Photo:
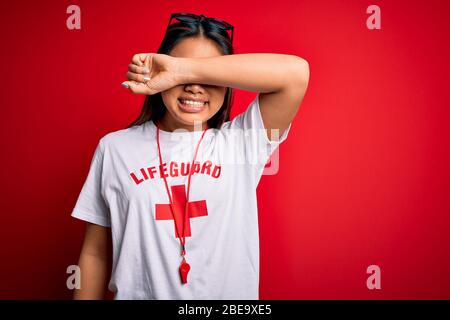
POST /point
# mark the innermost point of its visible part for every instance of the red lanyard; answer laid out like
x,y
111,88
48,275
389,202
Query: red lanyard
x,y
184,266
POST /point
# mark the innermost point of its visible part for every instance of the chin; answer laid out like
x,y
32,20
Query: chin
x,y
188,117
191,119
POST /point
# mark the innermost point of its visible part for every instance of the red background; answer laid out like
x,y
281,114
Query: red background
x,y
364,176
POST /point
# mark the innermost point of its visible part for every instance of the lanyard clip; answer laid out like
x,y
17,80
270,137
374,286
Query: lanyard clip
x,y
183,250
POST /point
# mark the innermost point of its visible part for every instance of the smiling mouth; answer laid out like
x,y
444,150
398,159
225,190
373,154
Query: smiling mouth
x,y
192,106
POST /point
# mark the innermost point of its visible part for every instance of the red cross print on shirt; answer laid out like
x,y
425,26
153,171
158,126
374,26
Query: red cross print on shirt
x,y
195,209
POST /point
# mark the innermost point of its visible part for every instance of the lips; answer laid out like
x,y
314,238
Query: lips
x,y
192,105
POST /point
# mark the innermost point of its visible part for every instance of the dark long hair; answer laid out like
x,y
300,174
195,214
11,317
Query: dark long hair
x,y
154,108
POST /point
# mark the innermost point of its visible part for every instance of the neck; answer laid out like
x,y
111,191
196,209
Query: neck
x,y
166,124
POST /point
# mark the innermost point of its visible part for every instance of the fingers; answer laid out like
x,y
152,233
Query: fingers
x,y
142,60
139,73
135,87
138,59
139,70
137,77
148,63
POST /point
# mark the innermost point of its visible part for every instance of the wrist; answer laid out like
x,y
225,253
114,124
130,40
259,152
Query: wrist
x,y
185,70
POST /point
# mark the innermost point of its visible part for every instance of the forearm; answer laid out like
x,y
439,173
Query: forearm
x,y
94,274
256,72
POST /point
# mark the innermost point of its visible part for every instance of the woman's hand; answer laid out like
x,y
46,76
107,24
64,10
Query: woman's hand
x,y
150,73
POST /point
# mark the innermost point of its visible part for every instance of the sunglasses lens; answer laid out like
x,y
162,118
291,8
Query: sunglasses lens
x,y
182,18
223,24
188,17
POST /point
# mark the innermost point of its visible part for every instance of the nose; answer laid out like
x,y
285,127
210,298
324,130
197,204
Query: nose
x,y
194,88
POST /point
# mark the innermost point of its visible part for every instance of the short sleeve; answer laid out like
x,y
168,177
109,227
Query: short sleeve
x,y
249,132
91,205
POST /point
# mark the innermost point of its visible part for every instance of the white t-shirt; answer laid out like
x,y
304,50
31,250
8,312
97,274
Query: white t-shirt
x,y
125,190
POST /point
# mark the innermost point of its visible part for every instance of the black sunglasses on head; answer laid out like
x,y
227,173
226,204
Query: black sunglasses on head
x,y
190,17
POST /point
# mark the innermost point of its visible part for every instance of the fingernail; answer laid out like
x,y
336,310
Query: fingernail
x,y
147,78
125,85
145,70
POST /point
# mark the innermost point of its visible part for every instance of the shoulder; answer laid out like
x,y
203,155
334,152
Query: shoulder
x,y
245,118
122,137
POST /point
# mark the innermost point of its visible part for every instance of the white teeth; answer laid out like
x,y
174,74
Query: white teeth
x,y
193,103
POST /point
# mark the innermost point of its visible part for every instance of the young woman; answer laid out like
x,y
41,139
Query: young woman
x,y
174,193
